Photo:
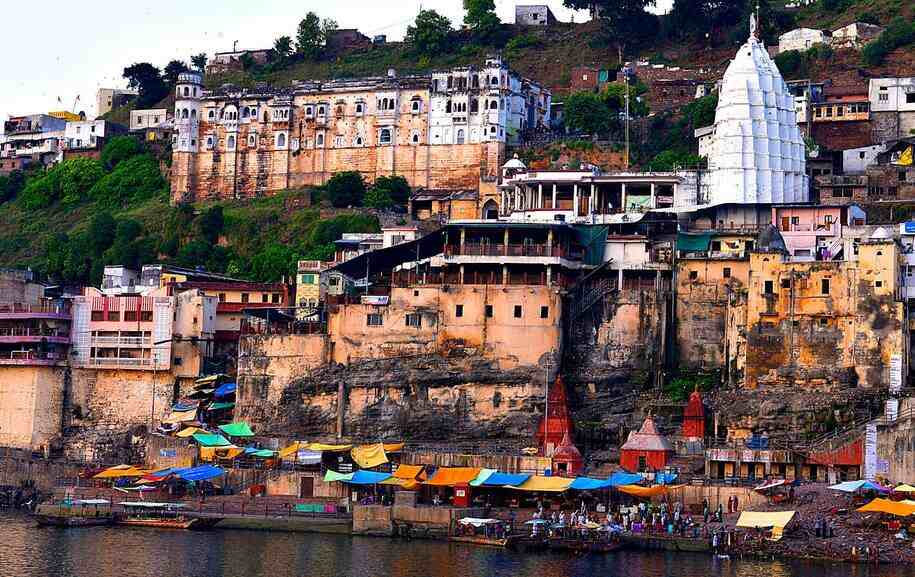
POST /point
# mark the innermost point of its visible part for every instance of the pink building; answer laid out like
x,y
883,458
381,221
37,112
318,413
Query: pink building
x,y
814,232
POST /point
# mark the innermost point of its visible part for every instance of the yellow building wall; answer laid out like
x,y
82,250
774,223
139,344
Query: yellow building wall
x,y
30,406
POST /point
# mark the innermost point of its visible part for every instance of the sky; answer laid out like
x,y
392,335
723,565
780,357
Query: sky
x,y
60,59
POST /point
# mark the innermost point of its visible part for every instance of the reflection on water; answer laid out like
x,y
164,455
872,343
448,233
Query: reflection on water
x,y
30,551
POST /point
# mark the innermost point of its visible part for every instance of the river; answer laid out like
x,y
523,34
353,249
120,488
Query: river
x,y
30,551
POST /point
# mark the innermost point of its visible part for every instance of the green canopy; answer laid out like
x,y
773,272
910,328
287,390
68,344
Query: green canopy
x,y
211,440
239,429
693,242
331,476
265,453
221,405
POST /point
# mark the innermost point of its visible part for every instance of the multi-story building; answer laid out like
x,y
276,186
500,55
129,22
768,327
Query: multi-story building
x,y
801,39
108,99
308,293
85,135
153,118
237,143
38,137
892,104
814,232
854,35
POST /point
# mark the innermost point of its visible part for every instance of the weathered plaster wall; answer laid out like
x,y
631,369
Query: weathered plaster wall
x,y
31,406
122,398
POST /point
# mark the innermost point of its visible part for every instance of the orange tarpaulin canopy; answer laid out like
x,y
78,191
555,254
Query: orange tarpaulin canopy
x,y
545,484
647,492
451,476
896,508
119,471
406,476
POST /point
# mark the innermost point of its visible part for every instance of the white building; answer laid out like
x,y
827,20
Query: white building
x,y
757,154
892,103
37,136
534,15
706,137
854,35
146,119
856,160
800,39
188,102
489,104
84,134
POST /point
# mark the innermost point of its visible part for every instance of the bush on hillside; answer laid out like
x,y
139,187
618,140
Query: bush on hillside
x,y
11,185
396,187
118,149
70,181
900,32
345,189
132,181
378,198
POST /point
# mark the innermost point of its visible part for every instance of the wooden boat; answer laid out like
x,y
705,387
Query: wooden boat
x,y
584,545
479,540
160,516
85,513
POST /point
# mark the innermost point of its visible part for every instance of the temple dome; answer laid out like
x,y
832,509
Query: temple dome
x,y
757,154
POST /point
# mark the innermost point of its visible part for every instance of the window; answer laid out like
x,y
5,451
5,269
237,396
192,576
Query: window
x,y
145,316
494,105
98,315
244,297
209,142
786,283
252,141
113,316
322,110
130,316
884,96
275,298
222,297
384,136
643,463
769,287
693,275
544,312
414,138
265,298
460,137
518,311
374,320
458,310
230,143
726,273
910,98
488,311
319,140
824,286
416,106
359,108
307,279
901,175
414,320
824,321
281,140
359,141
212,115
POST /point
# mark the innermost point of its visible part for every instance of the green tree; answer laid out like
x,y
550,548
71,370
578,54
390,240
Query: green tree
x,y
172,70
199,61
615,99
396,187
273,263
283,47
429,34
669,160
11,185
309,37
480,17
77,177
378,198
118,149
101,232
210,223
147,79
132,181
624,23
130,247
900,32
587,112
345,189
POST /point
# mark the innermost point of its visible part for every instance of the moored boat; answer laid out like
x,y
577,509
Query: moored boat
x,y
79,513
160,516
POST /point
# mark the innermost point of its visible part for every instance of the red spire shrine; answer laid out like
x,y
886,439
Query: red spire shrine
x,y
557,424
567,461
694,417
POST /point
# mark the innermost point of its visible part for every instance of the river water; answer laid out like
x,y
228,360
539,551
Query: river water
x,y
30,551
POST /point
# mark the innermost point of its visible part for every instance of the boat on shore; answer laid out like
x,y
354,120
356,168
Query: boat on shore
x,y
160,516
80,513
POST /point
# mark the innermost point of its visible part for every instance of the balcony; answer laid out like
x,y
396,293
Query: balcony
x,y
121,342
130,363
30,335
810,229
31,358
45,310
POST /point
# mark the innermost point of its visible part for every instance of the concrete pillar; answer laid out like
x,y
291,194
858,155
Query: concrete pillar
x,y
517,203
619,280
591,199
463,235
549,276
575,200
540,195
505,241
549,241
652,196
554,197
461,273
623,198
503,208
504,274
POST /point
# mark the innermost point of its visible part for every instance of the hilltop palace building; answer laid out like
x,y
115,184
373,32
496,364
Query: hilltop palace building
x,y
442,131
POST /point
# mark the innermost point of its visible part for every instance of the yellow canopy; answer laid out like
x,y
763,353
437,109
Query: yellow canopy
x,y
904,489
886,506
326,448
368,456
645,492
177,417
189,432
451,476
764,520
545,484
393,447
211,453
119,471
290,450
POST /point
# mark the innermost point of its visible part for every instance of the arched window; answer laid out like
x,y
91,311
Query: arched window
x,y
245,112
494,81
384,137
359,107
460,136
266,116
416,105
230,142
474,105
209,142
494,105
186,91
212,114
281,140
319,140
193,115
435,85
475,82
322,111
414,138
252,141
359,141
450,82
184,113
448,107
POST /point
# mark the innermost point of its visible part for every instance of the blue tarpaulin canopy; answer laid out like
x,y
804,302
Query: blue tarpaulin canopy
x,y
201,473
588,484
665,478
184,407
367,478
621,478
224,390
855,486
502,479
